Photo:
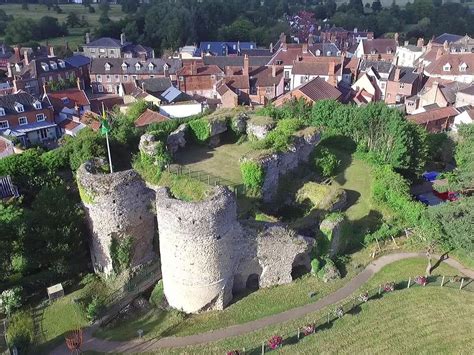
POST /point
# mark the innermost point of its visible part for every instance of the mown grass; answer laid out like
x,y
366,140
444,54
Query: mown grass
x,y
418,317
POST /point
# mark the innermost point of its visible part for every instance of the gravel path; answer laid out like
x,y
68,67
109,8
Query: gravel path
x,y
101,345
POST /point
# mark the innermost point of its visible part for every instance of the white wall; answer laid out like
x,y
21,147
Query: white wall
x,y
178,111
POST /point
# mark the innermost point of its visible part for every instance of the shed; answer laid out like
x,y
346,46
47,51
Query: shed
x,y
55,292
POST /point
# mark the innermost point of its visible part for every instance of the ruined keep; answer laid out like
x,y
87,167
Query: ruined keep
x,y
206,253
118,206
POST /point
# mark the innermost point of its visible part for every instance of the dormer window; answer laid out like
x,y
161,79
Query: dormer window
x,y
2,111
137,66
62,64
151,66
447,67
373,51
251,46
19,107
165,67
107,66
53,65
389,51
463,67
124,66
65,100
37,105
44,66
318,52
17,67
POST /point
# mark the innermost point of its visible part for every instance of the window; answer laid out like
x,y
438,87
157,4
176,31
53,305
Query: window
x,y
40,117
53,65
447,67
99,78
4,124
45,66
65,100
208,46
2,111
463,67
152,76
268,91
125,78
107,66
22,121
181,78
134,77
101,50
112,51
19,107
92,50
402,85
124,66
151,66
318,52
109,78
117,78
37,105
287,74
137,66
62,64
100,88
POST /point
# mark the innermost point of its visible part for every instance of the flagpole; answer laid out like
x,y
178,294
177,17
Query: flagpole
x,y
108,151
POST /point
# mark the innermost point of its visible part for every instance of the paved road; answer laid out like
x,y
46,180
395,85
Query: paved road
x,y
91,343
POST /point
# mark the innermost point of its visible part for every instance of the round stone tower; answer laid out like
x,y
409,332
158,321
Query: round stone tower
x,y
119,209
199,248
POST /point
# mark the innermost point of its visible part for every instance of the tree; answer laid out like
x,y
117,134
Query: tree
x,y
463,176
357,5
49,27
129,6
72,20
10,300
104,6
12,229
376,6
20,30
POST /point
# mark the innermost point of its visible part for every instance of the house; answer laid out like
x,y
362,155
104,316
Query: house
x,y
199,79
68,103
465,97
32,75
330,69
5,53
223,48
7,189
155,86
366,90
107,47
176,104
344,38
6,89
82,64
266,84
234,62
452,66
312,91
108,74
71,126
379,71
383,49
187,52
402,82
148,117
26,118
437,92
466,116
436,120
409,54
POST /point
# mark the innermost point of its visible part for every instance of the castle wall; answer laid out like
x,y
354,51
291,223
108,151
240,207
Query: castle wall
x,y
118,205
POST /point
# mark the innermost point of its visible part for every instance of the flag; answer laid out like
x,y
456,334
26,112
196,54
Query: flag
x,y
104,124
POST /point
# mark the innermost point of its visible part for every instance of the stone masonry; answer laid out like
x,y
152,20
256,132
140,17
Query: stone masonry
x,y
117,205
206,253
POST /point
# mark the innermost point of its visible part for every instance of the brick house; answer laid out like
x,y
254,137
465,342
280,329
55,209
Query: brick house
x,y
31,75
28,119
452,66
377,49
108,74
435,120
344,38
199,79
266,84
402,82
106,47
68,103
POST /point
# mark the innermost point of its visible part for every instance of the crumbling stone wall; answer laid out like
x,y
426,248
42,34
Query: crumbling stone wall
x,y
118,205
207,254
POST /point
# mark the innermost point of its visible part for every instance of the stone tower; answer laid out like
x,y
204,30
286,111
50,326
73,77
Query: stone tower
x,y
118,206
199,249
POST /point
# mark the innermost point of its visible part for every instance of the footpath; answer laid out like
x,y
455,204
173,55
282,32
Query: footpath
x,y
137,345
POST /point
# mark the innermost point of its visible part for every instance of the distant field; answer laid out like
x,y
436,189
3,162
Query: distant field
x,y
388,3
76,36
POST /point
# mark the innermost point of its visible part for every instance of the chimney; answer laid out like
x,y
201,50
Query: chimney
x,y
238,46
420,43
396,77
305,48
282,38
446,45
166,71
51,51
228,71
17,53
122,39
45,88
246,65
271,47
284,46
76,117
396,37
25,56
439,53
88,38
9,68
274,71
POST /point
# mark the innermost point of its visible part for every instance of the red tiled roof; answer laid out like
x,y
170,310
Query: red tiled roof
x,y
74,97
69,124
433,115
379,45
319,89
455,60
148,117
238,81
200,70
91,119
286,57
316,66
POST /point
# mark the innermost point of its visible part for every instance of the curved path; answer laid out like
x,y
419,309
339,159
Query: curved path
x,y
101,345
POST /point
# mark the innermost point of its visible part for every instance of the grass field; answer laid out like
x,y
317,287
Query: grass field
x,y
76,35
396,318
259,304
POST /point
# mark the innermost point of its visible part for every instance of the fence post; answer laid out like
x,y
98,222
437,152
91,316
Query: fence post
x,y
442,281
462,282
263,348
409,281
298,333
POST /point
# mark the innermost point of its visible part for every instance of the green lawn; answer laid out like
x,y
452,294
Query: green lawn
x,y
441,318
222,161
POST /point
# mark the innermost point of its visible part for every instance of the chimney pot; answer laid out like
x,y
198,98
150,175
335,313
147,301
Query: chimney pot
x,y
122,38
246,65
25,55
88,38
274,70
51,51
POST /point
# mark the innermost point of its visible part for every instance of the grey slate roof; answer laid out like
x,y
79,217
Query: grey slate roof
x,y
223,62
98,66
380,66
7,102
35,67
259,52
154,84
407,75
104,42
447,37
324,49
468,91
78,60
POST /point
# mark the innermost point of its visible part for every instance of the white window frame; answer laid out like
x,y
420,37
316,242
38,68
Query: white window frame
x,y
40,117
2,124
23,120
99,78
2,111
100,88
107,67
447,67
19,107
37,105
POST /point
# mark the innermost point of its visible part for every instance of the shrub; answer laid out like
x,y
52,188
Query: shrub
x,y
315,266
20,332
317,196
275,342
200,130
157,295
94,307
10,300
252,174
120,252
282,136
326,162
137,108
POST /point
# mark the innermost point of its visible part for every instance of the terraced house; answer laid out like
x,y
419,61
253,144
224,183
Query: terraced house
x,y
27,119
108,75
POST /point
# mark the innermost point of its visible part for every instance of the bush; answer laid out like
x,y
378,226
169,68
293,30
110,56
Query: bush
x,y
282,136
315,266
120,253
200,130
137,108
157,295
326,162
94,308
10,300
252,174
21,331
